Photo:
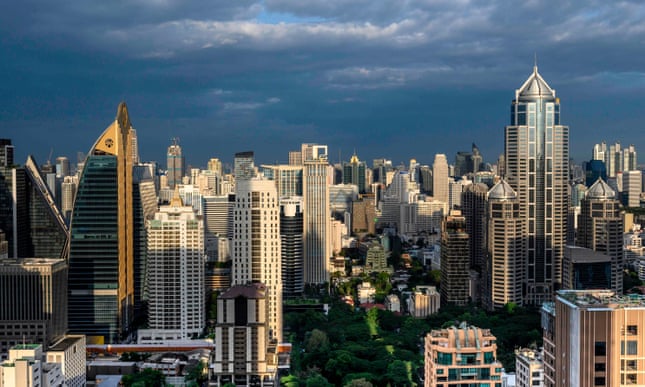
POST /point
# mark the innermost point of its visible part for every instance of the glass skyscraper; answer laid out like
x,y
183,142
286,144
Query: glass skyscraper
x,y
537,165
102,249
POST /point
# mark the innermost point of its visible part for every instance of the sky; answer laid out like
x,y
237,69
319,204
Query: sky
x,y
389,78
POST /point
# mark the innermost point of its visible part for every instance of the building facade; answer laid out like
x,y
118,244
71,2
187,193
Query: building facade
x,y
175,164
291,238
455,261
537,168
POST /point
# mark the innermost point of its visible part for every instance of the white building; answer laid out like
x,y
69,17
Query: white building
x,y
176,270
69,352
529,368
24,368
366,293
424,301
256,244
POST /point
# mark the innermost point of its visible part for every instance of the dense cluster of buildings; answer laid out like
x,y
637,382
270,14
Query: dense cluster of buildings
x,y
124,252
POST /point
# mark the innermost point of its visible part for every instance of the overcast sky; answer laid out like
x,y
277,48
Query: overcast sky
x,y
387,78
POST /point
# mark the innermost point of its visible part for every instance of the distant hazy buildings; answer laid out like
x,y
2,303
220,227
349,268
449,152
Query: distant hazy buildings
x,y
537,160
175,164
616,159
354,173
440,178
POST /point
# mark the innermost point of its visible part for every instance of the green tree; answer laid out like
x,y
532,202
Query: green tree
x,y
145,378
318,380
362,382
399,374
196,373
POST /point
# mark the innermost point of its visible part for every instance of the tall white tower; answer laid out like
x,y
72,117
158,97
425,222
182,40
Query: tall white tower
x,y
440,178
537,168
256,244
317,217
176,270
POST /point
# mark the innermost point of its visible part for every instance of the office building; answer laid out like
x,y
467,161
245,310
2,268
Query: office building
x,y
291,239
354,173
243,353
363,215
440,178
33,300
600,228
537,168
455,262
176,271
593,338
215,165
288,178
102,251
529,368
632,188
69,353
25,368
504,270
376,259
62,166
175,164
244,167
256,245
461,356
316,217
424,301
473,207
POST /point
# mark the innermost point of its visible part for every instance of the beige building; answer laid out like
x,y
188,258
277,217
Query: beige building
x,y
243,354
529,368
458,356
69,353
424,301
25,368
594,338
257,246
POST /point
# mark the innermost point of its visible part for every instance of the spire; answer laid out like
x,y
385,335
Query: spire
x,y
535,87
176,199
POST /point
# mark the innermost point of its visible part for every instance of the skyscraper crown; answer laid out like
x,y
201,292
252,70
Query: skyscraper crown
x,y
601,190
502,191
535,87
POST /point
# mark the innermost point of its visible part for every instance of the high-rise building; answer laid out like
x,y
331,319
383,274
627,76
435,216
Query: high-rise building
x,y
33,301
455,261
616,159
354,173
176,271
288,178
600,228
440,178
504,269
584,268
593,338
62,166
632,188
175,164
68,191
244,355
317,219
461,356
537,168
218,221
529,368
256,244
291,238
101,249
244,167
473,207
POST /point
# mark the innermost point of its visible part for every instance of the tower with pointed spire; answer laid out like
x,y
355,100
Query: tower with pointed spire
x,y
537,157
354,173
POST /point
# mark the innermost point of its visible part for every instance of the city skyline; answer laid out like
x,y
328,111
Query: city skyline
x,y
386,79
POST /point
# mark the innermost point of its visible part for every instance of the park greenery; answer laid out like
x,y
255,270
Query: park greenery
x,y
354,347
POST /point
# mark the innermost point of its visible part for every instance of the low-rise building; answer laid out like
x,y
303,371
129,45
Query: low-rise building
x,y
529,368
424,301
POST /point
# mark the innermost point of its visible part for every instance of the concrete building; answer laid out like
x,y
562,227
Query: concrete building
x,y
317,226
473,207
529,368
176,290
537,168
424,301
291,242
243,352
600,228
366,293
440,178
458,356
354,173
175,164
33,301
593,338
376,259
586,269
504,271
455,261
632,188
70,353
288,178
243,166
257,245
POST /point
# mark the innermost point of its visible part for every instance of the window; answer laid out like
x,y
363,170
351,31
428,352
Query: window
x,y
600,348
600,367
632,329
632,347
599,381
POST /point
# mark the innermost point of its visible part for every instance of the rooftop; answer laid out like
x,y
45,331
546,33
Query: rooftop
x,y
601,298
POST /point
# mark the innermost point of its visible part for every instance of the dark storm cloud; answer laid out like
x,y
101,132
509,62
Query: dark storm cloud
x,y
266,75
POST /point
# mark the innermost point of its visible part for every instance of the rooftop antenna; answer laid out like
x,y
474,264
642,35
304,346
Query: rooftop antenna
x,y
535,60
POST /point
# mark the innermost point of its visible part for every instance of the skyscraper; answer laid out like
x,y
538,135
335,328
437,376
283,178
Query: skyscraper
x,y
291,227
256,244
455,263
354,173
440,176
317,222
175,164
504,269
473,207
537,160
101,247
600,228
244,168
176,271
